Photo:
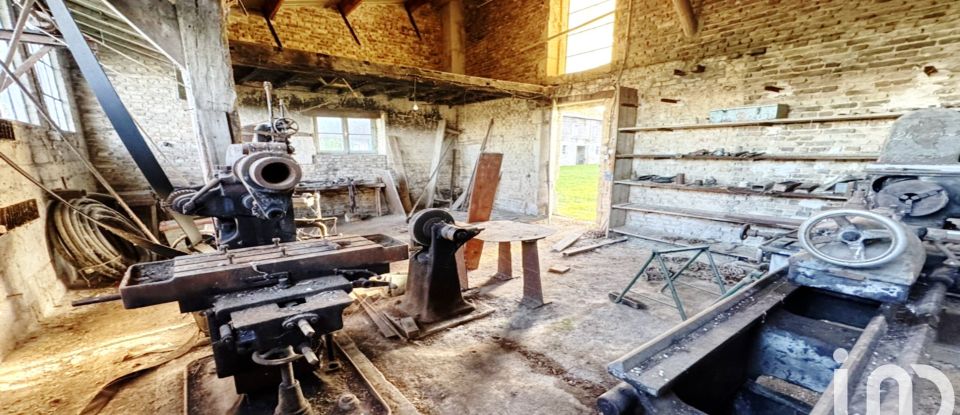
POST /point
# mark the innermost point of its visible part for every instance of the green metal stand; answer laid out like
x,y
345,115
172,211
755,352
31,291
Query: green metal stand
x,y
671,278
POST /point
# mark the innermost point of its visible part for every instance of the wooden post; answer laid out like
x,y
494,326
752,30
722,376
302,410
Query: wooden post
x,y
431,188
453,35
504,261
209,78
481,201
687,19
624,115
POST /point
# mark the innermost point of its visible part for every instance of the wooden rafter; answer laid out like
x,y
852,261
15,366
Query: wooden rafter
x,y
270,8
687,19
346,7
392,80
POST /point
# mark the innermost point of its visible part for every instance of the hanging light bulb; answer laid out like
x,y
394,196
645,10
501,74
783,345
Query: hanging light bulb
x,y
415,106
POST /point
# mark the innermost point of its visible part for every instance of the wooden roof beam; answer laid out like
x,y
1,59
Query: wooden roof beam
x,y
413,5
687,19
346,7
270,8
316,64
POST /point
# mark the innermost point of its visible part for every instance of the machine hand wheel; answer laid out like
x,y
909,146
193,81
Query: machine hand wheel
x,y
853,238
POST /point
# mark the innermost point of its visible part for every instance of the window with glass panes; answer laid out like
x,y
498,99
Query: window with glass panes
x,y
14,105
52,88
589,42
346,134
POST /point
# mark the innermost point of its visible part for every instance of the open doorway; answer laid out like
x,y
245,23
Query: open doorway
x,y
579,138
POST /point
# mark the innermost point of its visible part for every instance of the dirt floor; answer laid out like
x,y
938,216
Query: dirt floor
x,y
546,360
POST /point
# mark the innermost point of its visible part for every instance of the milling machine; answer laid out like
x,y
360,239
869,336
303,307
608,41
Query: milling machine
x,y
870,295
271,302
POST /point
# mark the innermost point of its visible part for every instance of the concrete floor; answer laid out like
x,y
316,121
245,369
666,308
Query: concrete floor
x,y
546,360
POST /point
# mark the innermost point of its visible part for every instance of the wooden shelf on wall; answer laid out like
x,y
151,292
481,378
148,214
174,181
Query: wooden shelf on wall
x,y
765,123
759,220
763,157
731,190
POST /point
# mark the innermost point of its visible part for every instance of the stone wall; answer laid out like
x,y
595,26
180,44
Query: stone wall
x,y
29,284
519,130
384,31
827,58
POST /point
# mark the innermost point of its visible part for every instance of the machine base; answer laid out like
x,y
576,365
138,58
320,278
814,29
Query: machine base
x,y
206,394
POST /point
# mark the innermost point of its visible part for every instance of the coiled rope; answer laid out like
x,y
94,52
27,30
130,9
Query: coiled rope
x,y
98,256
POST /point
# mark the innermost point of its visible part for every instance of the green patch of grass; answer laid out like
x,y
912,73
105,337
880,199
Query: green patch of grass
x,y
577,189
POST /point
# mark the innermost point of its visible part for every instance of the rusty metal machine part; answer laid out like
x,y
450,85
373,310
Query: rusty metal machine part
x,y
913,197
433,287
263,298
854,238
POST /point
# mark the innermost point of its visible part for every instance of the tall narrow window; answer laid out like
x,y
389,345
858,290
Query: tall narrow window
x,y
50,79
589,40
13,104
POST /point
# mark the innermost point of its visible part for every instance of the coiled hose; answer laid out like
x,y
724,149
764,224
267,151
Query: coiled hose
x,y
98,255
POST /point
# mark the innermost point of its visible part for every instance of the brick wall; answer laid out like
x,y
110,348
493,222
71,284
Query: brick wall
x,y
149,91
29,285
502,39
384,31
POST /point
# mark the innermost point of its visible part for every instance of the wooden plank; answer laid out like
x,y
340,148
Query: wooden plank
x,y
466,193
624,114
732,190
771,221
865,157
393,197
438,140
481,201
396,161
559,269
766,123
399,404
566,241
592,247
385,328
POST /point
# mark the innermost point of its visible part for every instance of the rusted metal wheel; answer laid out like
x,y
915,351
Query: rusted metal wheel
x,y
853,238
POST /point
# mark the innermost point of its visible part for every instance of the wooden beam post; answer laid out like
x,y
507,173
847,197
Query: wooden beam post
x,y
454,36
439,139
208,78
687,19
624,114
157,21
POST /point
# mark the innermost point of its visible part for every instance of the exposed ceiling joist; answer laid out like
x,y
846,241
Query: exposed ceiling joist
x,y
413,5
346,7
372,78
270,8
687,19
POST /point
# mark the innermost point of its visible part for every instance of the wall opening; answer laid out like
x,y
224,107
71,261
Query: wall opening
x,y
578,159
